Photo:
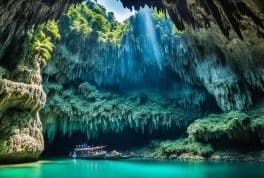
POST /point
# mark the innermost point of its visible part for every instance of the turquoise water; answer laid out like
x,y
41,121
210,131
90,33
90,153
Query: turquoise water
x,y
66,168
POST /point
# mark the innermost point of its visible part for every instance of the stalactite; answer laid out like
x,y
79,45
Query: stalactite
x,y
202,62
73,110
200,13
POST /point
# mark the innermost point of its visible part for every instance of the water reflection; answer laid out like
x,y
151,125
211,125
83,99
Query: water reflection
x,y
133,169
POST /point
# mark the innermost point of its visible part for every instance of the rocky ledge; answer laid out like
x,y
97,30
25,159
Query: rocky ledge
x,y
21,98
235,136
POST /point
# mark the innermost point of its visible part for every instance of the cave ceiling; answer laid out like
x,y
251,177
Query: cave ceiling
x,y
237,15
227,14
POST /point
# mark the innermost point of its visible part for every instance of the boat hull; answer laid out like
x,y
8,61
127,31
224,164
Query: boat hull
x,y
116,157
97,156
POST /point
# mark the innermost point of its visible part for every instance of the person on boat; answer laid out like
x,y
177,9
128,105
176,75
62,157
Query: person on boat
x,y
74,155
115,153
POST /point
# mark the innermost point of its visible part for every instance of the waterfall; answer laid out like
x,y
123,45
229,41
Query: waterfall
x,y
151,37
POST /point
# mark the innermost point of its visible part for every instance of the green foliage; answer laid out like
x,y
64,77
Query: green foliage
x,y
78,22
51,29
158,15
182,146
87,20
42,41
235,125
42,47
215,126
94,111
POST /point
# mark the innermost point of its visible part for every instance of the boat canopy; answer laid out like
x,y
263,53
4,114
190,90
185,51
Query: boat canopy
x,y
90,148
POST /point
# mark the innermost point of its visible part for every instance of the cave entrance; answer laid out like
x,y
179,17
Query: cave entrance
x,y
105,65
127,140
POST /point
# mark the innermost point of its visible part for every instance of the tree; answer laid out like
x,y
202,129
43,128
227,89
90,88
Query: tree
x,y
42,48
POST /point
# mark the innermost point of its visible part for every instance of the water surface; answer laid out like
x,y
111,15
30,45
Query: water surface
x,y
67,168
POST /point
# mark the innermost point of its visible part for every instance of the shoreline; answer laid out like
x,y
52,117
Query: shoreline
x,y
222,156
228,156
191,159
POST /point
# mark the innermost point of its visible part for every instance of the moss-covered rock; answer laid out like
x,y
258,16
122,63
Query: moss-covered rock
x,y
213,127
233,126
21,98
217,136
20,127
94,112
181,148
20,137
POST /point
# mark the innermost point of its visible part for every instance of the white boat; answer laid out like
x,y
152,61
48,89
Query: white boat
x,y
89,153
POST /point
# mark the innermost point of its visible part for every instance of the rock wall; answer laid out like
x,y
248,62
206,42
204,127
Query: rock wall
x,y
231,70
22,96
95,112
21,92
133,67
235,15
18,16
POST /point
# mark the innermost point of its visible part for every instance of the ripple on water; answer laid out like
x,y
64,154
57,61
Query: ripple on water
x,y
67,168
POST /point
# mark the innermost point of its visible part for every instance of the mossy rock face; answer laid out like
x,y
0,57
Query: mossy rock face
x,y
215,127
21,137
234,126
216,137
182,147
21,98
93,111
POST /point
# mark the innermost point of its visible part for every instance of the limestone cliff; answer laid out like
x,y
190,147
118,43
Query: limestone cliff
x,y
231,70
22,97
